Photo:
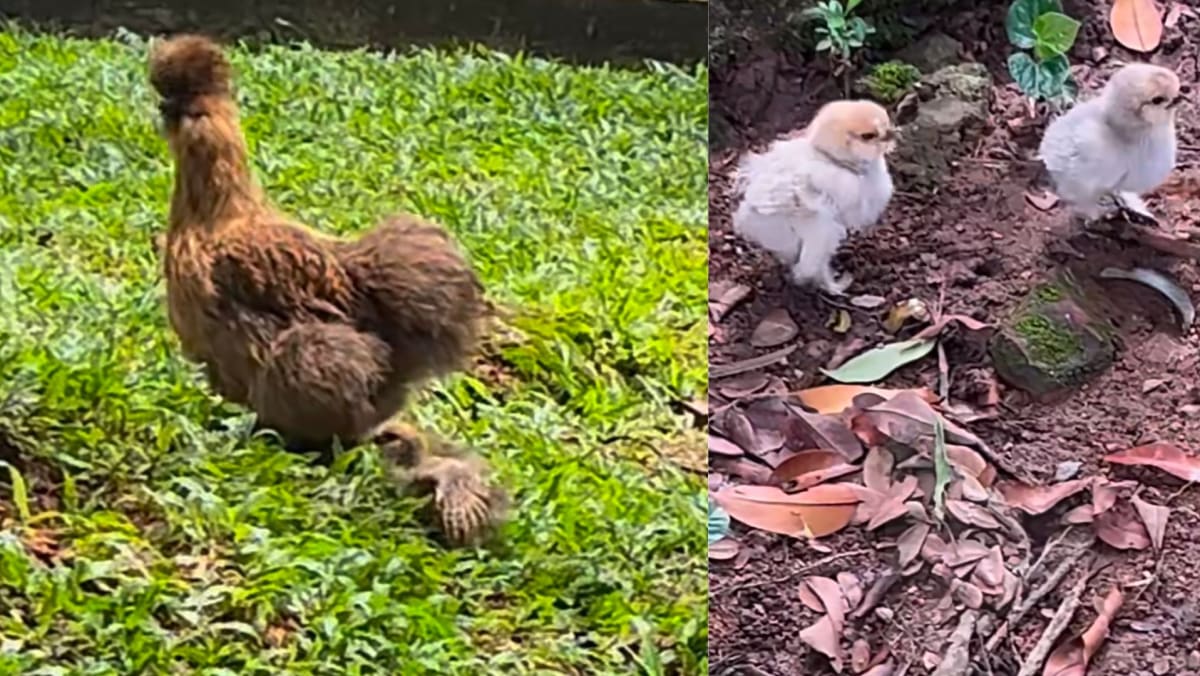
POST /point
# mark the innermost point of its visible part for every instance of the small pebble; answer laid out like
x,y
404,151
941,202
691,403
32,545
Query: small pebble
x,y
1162,667
884,613
1067,470
1193,660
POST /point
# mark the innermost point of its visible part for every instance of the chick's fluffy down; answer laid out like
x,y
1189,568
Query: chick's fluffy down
x,y
796,198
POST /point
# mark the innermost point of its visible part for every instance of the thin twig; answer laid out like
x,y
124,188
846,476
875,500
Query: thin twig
x,y
1050,584
793,575
1058,623
726,370
956,661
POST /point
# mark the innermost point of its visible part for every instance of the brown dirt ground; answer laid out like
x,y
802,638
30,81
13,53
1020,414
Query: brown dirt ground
x,y
980,240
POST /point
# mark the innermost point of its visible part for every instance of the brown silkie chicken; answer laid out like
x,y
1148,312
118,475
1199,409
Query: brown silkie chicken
x,y
322,338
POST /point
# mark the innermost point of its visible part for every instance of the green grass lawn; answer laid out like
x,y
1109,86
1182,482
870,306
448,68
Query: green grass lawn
x,y
147,533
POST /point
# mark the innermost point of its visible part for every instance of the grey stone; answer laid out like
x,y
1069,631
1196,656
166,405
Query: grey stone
x,y
944,125
931,52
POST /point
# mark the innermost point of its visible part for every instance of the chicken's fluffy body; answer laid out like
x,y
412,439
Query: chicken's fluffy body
x,y
802,196
323,338
1120,144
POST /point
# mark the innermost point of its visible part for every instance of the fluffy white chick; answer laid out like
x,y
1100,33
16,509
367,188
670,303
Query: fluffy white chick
x,y
803,195
1118,145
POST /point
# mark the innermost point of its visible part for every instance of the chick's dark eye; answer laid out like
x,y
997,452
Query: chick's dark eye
x,y
869,136
1158,100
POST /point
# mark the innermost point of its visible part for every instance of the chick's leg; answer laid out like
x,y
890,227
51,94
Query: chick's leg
x,y
819,243
466,507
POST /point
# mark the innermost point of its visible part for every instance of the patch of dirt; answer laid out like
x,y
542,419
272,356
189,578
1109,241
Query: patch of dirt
x,y
977,241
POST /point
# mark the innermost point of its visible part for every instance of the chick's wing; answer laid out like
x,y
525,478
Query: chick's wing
x,y
283,271
784,183
1082,147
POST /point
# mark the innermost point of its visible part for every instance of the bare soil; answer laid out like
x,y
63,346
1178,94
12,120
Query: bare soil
x,y
979,242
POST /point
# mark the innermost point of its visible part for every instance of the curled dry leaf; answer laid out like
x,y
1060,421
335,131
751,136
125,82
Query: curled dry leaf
x,y
913,308
935,549
1105,493
964,552
1080,515
723,549
971,514
1042,200
968,594
833,399
885,669
1120,530
808,596
1163,284
1136,24
851,589
990,571
723,295
935,329
830,594
821,431
906,419
812,513
736,427
775,329
910,543
1071,657
1154,517
893,505
742,385
1166,457
721,446
810,479
1038,499
825,639
877,469
860,656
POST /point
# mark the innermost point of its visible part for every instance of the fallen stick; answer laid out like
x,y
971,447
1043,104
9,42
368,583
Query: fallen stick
x,y
1058,623
957,659
1030,602
726,370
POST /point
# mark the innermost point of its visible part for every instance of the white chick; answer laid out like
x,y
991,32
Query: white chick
x,y
803,195
1118,145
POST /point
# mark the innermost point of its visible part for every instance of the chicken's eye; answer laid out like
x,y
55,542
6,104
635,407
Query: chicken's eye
x,y
869,136
1158,100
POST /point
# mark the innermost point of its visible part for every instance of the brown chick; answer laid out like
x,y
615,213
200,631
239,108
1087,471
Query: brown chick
x,y
322,338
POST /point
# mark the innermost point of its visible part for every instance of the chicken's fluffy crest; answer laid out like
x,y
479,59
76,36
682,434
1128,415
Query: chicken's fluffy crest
x,y
856,130
187,66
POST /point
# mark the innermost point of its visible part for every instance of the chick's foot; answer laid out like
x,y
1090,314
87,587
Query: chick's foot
x,y
466,507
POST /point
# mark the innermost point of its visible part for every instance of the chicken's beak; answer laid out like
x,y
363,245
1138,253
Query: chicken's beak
x,y
1176,101
889,138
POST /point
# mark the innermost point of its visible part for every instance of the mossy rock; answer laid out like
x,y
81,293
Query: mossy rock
x,y
1054,342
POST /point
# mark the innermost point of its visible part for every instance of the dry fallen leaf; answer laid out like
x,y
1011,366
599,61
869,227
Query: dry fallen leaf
x,y
990,571
936,328
775,329
723,549
1154,517
830,594
1071,657
824,638
860,656
972,515
833,399
1105,493
1038,499
892,506
1166,457
910,543
806,480
877,469
721,446
851,589
742,384
820,431
967,593
1136,24
723,296
1080,515
906,419
1121,530
1042,200
814,513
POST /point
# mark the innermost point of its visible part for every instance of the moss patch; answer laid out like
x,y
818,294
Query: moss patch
x,y
1048,342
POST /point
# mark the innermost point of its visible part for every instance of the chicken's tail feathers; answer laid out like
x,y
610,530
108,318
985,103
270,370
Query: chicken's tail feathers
x,y
187,66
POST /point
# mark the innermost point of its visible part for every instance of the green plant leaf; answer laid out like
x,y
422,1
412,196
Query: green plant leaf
x,y
824,45
851,4
1020,19
941,467
873,365
718,523
20,493
1052,75
1054,34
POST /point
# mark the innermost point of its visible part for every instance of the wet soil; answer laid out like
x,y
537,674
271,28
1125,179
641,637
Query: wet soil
x,y
978,242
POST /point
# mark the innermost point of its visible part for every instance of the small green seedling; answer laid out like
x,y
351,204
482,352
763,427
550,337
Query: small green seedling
x,y
1041,26
840,33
